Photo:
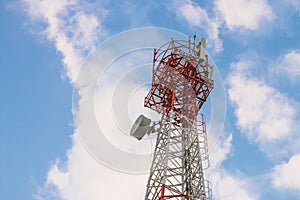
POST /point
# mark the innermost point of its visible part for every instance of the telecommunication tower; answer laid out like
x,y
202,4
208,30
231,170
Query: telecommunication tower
x,y
182,80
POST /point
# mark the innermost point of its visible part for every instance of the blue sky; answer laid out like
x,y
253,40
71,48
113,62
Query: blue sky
x,y
35,108
255,45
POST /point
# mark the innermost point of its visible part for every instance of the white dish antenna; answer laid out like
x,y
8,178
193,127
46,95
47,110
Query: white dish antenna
x,y
140,127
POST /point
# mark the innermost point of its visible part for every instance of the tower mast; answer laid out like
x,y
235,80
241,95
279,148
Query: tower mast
x,y
181,82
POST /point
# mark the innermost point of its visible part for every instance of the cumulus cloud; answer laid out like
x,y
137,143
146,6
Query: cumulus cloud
x,y
73,30
289,64
198,17
244,14
267,117
262,111
264,114
221,152
233,14
287,175
226,185
82,177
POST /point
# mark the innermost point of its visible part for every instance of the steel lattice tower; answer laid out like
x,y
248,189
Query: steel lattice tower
x,y
181,83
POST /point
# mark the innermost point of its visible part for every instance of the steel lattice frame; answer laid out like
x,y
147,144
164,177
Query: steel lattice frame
x,y
180,86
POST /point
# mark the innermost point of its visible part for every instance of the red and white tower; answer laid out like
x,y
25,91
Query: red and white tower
x,y
182,79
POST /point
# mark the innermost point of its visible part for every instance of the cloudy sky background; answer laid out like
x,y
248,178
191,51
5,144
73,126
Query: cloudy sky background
x,y
255,45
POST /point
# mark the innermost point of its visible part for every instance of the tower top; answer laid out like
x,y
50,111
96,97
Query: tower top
x,y
181,78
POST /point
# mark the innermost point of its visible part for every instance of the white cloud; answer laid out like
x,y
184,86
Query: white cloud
x,y
226,186
221,151
82,177
194,15
262,111
264,114
244,14
73,31
287,175
234,14
289,64
197,16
